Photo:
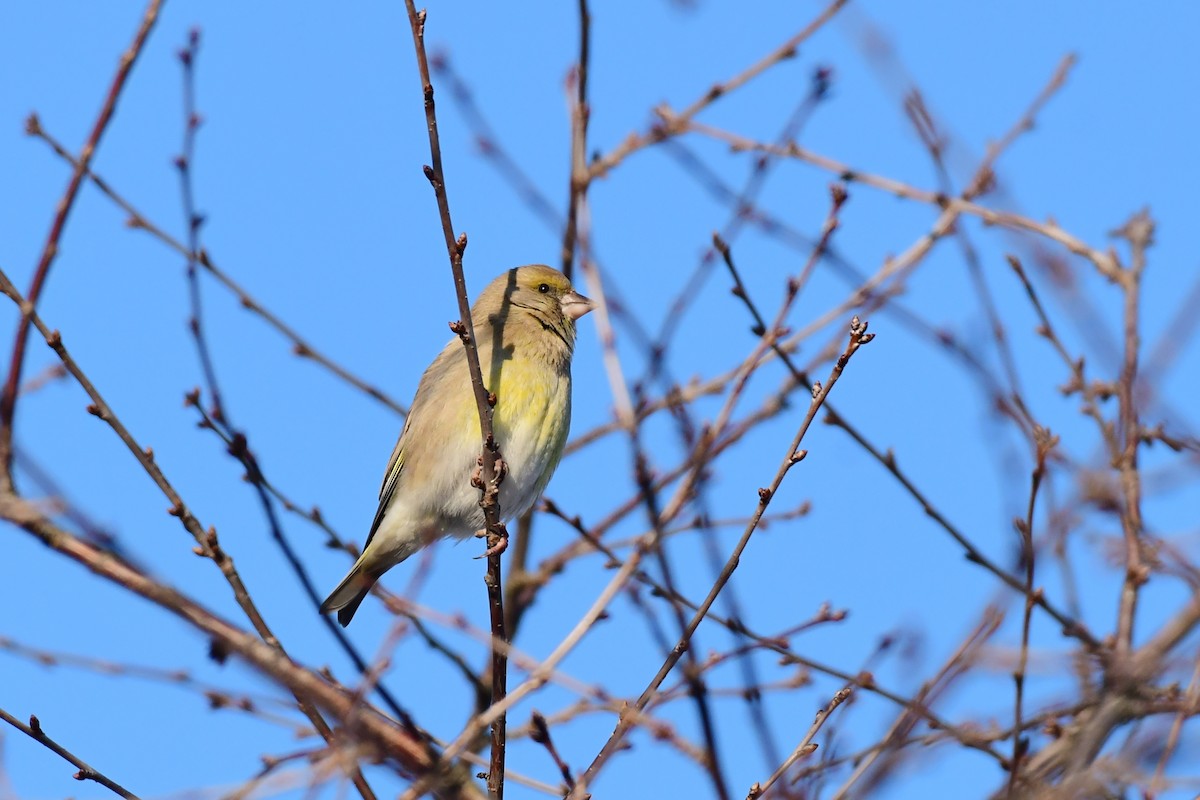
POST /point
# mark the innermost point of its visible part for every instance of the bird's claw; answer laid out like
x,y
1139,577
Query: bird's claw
x,y
499,547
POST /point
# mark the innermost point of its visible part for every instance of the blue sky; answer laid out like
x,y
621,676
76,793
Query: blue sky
x,y
308,169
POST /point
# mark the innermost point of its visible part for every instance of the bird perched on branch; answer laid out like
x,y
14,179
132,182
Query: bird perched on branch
x,y
524,325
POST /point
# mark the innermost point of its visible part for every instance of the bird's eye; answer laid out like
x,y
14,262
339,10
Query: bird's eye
x,y
544,288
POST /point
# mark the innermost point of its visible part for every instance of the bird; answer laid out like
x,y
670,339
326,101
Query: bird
x,y
524,325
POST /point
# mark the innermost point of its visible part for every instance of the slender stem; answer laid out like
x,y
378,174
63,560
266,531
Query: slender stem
x,y
806,746
8,398
858,337
490,474
1045,443
86,773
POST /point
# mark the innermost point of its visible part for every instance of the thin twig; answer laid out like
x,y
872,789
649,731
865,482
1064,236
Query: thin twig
x,y
806,746
1139,232
541,673
490,474
634,142
207,542
581,112
1104,262
858,337
541,735
1046,442
8,399
86,773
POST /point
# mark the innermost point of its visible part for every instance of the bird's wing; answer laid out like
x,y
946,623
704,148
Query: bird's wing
x,y
391,478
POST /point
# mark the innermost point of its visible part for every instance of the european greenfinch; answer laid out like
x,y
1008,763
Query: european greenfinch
x,y
525,331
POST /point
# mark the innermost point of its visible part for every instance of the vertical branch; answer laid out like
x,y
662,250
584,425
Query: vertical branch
x,y
1045,442
580,114
1139,232
12,384
193,220
489,484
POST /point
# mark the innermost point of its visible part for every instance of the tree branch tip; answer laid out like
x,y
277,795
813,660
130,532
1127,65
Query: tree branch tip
x,y
541,731
33,125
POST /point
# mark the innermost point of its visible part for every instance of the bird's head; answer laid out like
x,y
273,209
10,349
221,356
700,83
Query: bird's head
x,y
538,291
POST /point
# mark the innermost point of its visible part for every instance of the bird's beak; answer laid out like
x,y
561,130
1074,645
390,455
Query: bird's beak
x,y
575,305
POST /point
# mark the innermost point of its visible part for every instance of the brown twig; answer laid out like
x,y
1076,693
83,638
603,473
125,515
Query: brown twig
x,y
603,165
1046,442
888,460
1139,232
899,733
86,773
1192,702
238,447
207,543
539,673
1104,262
8,399
138,221
806,747
581,112
490,476
380,734
541,735
858,337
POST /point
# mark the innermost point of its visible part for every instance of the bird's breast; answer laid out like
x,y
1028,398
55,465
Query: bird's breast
x,y
532,418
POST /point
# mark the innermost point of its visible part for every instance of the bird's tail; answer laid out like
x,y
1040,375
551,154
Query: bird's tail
x,y
350,593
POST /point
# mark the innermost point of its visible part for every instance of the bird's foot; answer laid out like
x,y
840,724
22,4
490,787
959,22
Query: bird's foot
x,y
500,545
